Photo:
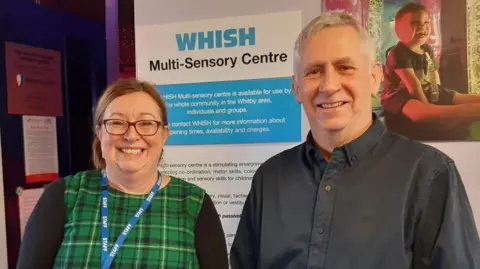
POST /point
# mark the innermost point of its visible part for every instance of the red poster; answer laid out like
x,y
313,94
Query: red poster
x,y
435,40
34,80
358,8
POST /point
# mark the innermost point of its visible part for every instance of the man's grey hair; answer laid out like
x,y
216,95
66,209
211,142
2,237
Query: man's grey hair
x,y
332,19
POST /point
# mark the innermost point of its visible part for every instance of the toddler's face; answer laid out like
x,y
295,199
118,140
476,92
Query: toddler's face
x,y
413,28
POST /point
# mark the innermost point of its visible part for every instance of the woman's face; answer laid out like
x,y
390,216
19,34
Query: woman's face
x,y
132,153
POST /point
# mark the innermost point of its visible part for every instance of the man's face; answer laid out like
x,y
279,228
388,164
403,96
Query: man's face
x,y
336,80
413,28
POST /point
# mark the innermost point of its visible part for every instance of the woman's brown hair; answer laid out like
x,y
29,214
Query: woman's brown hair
x,y
116,89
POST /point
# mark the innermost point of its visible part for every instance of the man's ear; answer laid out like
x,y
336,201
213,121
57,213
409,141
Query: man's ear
x,y
377,78
296,89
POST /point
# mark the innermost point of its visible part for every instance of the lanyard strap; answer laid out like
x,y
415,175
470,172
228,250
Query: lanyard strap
x,y
107,258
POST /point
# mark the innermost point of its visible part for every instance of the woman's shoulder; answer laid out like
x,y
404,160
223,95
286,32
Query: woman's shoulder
x,y
55,188
70,184
87,174
184,186
190,195
83,179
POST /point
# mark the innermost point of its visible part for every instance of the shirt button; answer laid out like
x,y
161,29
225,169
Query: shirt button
x,y
328,188
320,231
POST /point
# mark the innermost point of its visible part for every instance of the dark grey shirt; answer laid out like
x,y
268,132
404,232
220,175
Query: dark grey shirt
x,y
381,202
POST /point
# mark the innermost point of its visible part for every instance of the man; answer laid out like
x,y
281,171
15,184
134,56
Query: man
x,y
353,195
414,100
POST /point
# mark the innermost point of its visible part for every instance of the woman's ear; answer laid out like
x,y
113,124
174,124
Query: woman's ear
x,y
166,133
98,132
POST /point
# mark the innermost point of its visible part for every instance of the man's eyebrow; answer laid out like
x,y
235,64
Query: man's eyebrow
x,y
315,64
344,60
339,61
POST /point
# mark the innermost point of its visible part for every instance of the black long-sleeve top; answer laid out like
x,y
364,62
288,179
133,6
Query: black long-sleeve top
x,y
45,233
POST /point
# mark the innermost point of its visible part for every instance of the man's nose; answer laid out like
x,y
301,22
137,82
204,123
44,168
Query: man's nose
x,y
331,81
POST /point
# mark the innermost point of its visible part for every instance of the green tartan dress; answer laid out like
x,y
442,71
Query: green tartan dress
x,y
164,237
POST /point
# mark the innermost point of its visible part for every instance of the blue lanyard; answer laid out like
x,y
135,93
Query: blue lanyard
x,y
107,258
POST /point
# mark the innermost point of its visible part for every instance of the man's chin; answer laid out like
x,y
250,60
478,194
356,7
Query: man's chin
x,y
333,128
333,125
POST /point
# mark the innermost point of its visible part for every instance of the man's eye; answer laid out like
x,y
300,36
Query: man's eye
x,y
346,67
313,72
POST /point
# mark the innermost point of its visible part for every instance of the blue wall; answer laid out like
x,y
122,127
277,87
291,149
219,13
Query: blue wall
x,y
22,21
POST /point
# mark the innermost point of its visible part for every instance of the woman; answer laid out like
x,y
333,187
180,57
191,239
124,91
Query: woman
x,y
125,214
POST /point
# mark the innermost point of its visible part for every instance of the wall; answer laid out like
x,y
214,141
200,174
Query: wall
x,y
205,155
156,22
22,21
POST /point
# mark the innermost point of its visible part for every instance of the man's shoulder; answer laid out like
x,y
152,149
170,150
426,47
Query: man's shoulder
x,y
420,153
288,157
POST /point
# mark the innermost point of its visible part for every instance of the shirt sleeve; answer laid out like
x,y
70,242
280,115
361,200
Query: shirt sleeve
x,y
245,247
447,236
210,238
44,230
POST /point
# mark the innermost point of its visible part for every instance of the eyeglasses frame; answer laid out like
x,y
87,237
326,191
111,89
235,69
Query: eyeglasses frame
x,y
129,123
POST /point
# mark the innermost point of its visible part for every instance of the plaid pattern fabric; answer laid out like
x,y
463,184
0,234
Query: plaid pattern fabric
x,y
163,237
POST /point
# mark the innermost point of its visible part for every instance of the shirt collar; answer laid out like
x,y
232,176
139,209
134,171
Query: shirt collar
x,y
424,46
352,151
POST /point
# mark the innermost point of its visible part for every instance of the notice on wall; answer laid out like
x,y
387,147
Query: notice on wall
x,y
41,149
225,173
228,87
27,200
34,80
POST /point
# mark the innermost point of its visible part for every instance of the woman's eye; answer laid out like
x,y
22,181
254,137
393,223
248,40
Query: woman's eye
x,y
147,123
